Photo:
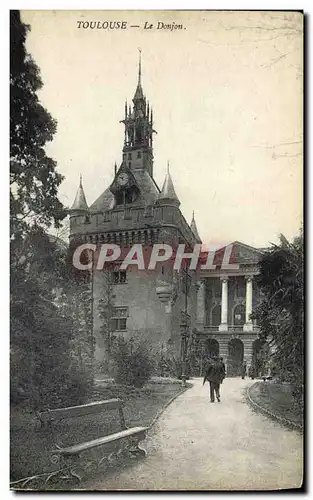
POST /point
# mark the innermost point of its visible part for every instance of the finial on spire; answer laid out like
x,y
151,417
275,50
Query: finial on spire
x,y
80,180
193,226
139,93
168,167
139,69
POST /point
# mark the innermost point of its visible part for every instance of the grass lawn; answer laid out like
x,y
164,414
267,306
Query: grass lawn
x,y
31,445
278,399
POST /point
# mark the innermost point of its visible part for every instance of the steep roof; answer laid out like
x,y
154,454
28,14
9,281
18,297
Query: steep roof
x,y
168,191
193,227
80,202
103,202
149,192
148,189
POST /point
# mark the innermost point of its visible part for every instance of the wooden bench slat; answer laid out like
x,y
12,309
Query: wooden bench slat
x,y
77,411
77,448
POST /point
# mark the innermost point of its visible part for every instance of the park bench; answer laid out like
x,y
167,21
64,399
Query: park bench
x,y
114,447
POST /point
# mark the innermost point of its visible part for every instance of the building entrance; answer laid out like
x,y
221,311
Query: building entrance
x,y
212,348
235,358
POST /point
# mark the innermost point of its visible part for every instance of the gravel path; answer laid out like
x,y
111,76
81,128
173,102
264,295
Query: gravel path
x,y
198,445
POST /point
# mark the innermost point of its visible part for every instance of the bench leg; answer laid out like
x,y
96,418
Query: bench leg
x,y
137,451
69,468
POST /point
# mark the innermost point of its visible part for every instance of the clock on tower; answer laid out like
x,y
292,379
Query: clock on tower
x,y
122,179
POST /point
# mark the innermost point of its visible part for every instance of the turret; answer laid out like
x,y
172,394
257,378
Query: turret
x,y
193,227
80,203
168,194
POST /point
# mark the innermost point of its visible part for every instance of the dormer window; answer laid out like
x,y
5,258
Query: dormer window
x,y
126,197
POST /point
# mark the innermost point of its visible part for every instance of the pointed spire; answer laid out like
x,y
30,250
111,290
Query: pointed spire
x,y
80,202
139,69
193,226
168,192
139,93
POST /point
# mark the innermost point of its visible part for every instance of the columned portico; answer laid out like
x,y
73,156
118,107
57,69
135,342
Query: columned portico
x,y
248,326
225,301
224,310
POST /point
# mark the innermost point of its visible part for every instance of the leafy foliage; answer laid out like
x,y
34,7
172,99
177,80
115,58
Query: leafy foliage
x,y
51,346
34,180
281,312
132,363
105,307
50,306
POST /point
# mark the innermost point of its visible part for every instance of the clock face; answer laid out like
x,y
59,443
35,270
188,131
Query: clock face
x,y
122,179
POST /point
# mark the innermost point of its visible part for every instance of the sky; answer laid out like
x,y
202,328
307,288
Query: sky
x,y
226,92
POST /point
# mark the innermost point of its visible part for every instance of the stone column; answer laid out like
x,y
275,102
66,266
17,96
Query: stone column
x,y
200,305
224,313
248,326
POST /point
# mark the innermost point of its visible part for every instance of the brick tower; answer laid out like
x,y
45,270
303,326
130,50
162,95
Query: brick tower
x,y
147,304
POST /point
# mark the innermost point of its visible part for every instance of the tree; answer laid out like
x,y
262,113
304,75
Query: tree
x,y
52,346
281,312
106,307
34,180
44,329
39,334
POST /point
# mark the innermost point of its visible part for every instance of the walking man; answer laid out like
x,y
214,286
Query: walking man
x,y
215,374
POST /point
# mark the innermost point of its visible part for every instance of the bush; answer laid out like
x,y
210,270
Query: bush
x,y
172,366
78,386
132,364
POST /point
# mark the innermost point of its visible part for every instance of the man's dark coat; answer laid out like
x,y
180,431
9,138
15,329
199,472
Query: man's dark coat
x,y
215,372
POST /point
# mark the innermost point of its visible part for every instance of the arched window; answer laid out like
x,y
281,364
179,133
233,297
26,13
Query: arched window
x,y
239,315
212,347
